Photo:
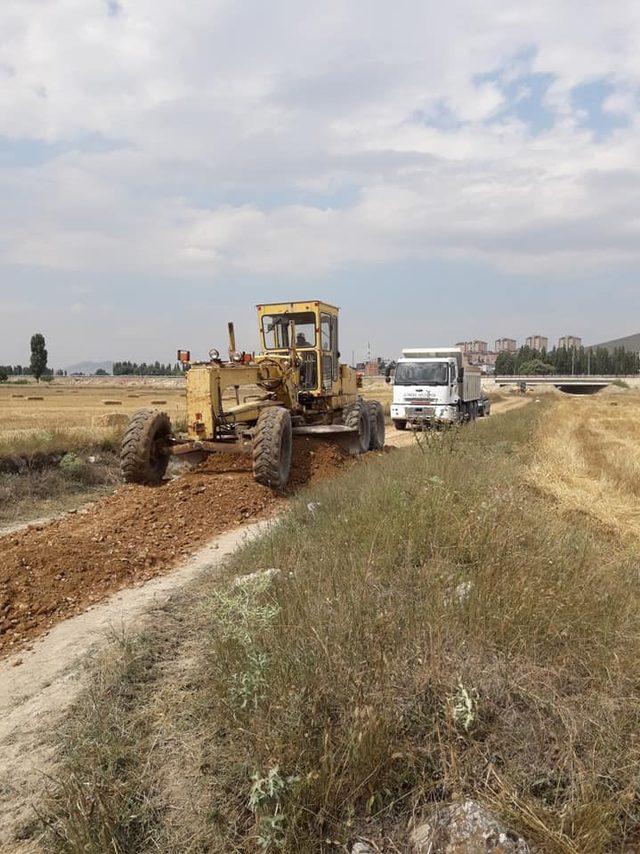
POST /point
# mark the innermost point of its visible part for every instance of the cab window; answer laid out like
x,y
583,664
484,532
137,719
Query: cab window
x,y
325,331
276,330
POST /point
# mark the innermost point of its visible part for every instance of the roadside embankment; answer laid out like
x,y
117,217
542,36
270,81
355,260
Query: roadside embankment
x,y
431,627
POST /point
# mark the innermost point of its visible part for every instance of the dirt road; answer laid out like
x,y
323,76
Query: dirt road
x,y
35,697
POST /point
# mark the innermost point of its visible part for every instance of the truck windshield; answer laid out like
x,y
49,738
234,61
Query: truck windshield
x,y
421,373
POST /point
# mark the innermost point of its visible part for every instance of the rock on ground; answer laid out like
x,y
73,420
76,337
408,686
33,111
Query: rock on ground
x,y
465,828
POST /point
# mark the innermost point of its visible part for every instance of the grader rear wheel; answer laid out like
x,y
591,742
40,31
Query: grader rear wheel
x,y
356,416
272,447
143,456
376,418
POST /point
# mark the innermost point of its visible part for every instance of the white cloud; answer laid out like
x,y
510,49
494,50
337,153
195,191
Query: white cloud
x,y
198,138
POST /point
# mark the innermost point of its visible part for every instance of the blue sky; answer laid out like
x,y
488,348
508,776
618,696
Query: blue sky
x,y
441,171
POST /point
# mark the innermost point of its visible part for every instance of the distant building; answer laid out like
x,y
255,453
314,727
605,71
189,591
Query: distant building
x,y
477,353
570,342
375,367
538,342
506,345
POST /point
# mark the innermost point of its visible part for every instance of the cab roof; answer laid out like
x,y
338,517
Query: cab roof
x,y
297,304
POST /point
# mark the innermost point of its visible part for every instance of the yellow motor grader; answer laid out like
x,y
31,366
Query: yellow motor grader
x,y
296,386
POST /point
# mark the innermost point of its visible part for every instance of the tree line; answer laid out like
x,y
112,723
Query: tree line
x,y
153,369
22,371
565,361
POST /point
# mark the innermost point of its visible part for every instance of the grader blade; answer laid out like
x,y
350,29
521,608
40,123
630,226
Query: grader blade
x,y
345,437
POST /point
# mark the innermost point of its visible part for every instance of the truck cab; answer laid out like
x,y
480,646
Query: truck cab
x,y
434,386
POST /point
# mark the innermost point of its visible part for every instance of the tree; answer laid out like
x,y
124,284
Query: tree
x,y
101,372
505,364
38,355
536,368
4,376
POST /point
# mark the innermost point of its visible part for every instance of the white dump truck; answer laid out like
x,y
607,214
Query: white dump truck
x,y
434,386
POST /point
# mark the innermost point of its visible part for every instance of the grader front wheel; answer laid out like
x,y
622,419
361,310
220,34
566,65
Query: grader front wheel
x,y
272,447
143,456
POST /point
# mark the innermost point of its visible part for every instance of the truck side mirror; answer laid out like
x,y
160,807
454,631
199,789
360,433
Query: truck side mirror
x,y
387,379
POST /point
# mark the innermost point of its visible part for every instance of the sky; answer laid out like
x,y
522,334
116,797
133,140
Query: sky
x,y
442,171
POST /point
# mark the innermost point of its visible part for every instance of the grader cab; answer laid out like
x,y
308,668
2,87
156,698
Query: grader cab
x,y
296,386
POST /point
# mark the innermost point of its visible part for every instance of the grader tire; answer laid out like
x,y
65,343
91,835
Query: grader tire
x,y
356,416
376,419
141,456
272,447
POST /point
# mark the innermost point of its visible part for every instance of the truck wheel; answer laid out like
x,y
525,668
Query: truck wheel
x,y
272,447
376,419
399,423
356,416
143,455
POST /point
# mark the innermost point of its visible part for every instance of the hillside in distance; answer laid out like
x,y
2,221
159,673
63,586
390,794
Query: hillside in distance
x,y
629,342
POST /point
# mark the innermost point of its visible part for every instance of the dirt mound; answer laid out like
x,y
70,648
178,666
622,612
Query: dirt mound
x,y
50,572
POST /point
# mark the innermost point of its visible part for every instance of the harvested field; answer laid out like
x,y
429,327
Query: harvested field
x,y
589,458
77,411
50,572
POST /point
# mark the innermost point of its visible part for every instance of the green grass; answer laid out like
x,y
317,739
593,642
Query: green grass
x,y
437,629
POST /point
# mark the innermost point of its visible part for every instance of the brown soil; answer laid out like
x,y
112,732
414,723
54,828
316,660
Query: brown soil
x,y
50,572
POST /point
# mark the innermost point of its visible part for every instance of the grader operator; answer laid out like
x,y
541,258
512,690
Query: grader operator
x,y
296,386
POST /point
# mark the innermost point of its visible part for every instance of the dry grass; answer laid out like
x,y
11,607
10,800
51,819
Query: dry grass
x,y
436,630
46,473
588,459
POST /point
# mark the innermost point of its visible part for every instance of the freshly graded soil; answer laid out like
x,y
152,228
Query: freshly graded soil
x,y
49,572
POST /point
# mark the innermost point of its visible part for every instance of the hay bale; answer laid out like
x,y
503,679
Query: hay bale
x,y
158,402
34,397
112,403
133,395
113,419
17,395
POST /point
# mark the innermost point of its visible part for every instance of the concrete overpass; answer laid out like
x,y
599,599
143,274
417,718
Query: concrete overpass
x,y
567,384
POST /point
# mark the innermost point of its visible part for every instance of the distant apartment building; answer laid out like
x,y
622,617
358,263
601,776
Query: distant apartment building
x,y
478,353
473,346
506,345
538,342
571,342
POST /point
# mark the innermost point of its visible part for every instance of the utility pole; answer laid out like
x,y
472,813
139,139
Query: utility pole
x,y
573,361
